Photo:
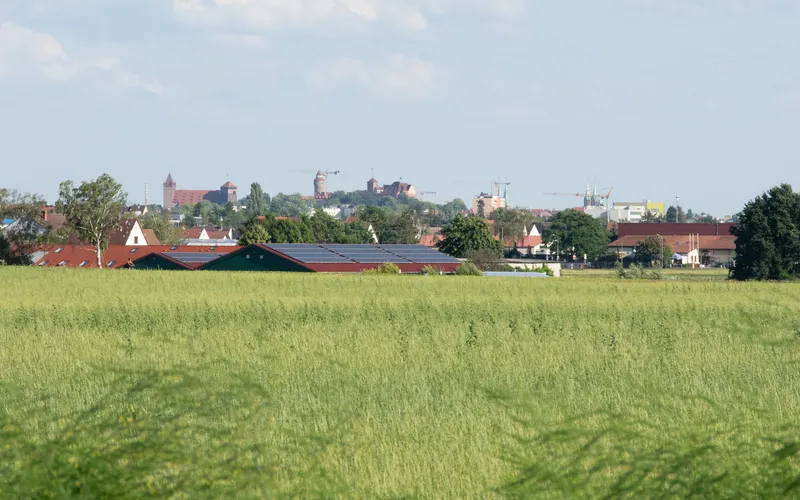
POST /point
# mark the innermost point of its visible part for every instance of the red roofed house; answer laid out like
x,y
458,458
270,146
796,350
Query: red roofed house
x,y
707,244
130,233
176,197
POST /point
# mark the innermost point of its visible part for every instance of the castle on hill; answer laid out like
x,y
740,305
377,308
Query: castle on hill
x,y
174,197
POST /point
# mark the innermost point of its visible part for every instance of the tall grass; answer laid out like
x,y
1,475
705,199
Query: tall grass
x,y
250,385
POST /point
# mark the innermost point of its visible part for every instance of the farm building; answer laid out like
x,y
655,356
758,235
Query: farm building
x,y
115,256
331,258
176,261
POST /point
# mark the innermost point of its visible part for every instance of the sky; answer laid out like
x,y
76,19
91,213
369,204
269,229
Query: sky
x,y
658,98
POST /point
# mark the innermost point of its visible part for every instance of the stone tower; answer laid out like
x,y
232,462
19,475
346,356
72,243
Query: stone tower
x,y
228,192
169,192
319,185
372,185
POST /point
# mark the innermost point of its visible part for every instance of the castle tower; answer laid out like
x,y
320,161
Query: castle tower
x,y
372,185
228,192
319,185
169,192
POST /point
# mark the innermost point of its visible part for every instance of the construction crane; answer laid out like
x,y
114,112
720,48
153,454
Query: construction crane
x,y
325,174
590,199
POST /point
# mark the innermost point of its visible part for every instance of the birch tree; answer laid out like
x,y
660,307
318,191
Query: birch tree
x,y
93,210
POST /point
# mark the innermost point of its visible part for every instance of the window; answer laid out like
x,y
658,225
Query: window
x,y
42,263
135,240
83,263
62,263
111,263
59,250
174,248
213,248
134,250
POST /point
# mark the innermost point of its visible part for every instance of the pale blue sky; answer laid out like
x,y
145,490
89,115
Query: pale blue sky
x,y
656,97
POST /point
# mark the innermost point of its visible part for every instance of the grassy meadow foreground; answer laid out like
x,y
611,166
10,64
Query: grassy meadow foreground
x,y
201,385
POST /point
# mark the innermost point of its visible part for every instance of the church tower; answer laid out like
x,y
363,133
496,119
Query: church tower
x,y
169,192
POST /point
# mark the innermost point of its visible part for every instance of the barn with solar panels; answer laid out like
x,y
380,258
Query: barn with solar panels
x,y
176,261
325,258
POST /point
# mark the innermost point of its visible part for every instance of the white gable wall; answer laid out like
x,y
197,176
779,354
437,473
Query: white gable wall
x,y
136,238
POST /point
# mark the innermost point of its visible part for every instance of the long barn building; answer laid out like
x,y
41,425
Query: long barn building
x,y
305,258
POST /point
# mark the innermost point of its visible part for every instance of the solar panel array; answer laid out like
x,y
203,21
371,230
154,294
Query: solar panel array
x,y
362,254
192,257
367,254
420,254
309,254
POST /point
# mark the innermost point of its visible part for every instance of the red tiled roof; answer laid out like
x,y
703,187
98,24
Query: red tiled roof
x,y
666,228
429,240
229,185
190,196
679,243
192,233
150,237
74,255
120,235
217,235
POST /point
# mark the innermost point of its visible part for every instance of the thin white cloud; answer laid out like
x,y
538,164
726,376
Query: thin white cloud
x,y
28,55
790,99
327,16
399,76
703,6
241,41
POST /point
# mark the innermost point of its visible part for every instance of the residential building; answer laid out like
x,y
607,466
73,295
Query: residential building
x,y
490,204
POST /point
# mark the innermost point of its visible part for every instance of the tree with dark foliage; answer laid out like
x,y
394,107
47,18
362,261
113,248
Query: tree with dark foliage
x,y
768,237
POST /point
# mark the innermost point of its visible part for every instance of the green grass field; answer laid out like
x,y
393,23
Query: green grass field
x,y
136,384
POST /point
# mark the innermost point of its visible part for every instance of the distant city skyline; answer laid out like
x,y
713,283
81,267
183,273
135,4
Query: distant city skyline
x,y
659,98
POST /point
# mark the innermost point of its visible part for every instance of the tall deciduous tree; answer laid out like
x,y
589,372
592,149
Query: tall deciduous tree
x,y
375,217
572,229
257,202
401,229
93,210
510,225
161,224
768,237
324,228
255,231
654,249
466,235
481,209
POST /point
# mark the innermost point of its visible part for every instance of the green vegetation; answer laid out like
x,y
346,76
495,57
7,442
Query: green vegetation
x,y
25,209
577,234
768,237
637,271
223,385
93,210
654,251
465,236
387,268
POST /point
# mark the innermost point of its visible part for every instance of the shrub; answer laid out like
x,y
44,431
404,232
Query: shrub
x,y
431,271
638,272
385,268
468,269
